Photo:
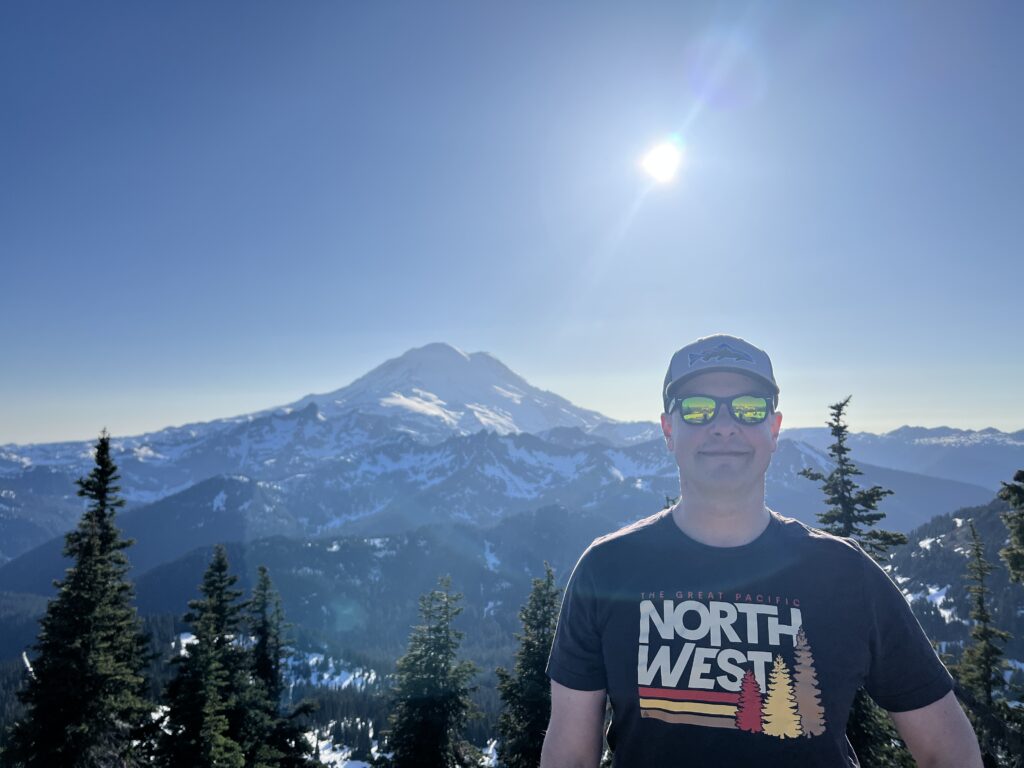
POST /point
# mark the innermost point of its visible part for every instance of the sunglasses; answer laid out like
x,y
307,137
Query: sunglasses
x,y
702,409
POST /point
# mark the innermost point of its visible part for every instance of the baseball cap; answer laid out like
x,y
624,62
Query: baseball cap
x,y
720,352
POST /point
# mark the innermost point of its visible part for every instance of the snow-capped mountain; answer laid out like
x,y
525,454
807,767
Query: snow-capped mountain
x,y
430,394
426,395
433,435
437,390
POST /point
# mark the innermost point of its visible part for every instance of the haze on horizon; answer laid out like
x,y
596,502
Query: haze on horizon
x,y
214,209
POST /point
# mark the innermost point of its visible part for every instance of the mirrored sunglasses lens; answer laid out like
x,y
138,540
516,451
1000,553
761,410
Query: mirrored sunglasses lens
x,y
749,409
697,410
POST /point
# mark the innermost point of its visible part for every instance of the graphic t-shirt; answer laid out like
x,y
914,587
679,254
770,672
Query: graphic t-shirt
x,y
737,656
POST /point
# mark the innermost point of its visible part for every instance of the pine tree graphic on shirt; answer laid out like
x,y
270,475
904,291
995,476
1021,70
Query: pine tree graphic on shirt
x,y
805,684
780,716
748,712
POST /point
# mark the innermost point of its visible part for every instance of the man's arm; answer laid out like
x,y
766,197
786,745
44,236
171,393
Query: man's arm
x,y
573,738
939,735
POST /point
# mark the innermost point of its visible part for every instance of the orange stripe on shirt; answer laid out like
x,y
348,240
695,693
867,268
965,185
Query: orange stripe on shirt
x,y
681,694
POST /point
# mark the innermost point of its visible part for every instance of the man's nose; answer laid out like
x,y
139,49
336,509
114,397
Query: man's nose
x,y
724,423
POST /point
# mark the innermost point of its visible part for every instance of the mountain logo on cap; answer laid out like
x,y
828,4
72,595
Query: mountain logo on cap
x,y
722,352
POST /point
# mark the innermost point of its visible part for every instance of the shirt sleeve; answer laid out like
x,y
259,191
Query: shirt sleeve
x,y
576,659
904,673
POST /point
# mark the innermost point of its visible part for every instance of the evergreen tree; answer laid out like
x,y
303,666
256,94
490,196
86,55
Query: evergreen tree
x,y
853,512
1013,552
203,697
805,685
981,668
779,710
526,693
431,699
873,736
270,737
85,698
748,710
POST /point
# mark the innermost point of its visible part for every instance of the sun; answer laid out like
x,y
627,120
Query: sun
x,y
663,161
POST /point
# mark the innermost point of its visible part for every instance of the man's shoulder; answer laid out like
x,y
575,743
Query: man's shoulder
x,y
640,533
795,532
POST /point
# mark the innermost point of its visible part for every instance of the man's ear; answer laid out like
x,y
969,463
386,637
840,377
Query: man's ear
x,y
666,428
776,427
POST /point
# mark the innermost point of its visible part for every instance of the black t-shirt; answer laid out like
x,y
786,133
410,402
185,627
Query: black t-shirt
x,y
737,656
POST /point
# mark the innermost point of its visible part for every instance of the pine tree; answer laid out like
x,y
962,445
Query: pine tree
x,y
779,710
853,512
873,736
202,698
981,668
431,699
748,711
1013,552
270,737
526,694
805,685
85,699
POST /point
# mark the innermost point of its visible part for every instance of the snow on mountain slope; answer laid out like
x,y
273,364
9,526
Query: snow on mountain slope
x,y
429,393
440,390
421,431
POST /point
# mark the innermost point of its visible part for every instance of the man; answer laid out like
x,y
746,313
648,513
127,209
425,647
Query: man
x,y
725,634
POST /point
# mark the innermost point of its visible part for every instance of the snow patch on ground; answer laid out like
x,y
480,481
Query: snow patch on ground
x,y
927,543
515,486
220,501
326,672
935,596
185,639
566,466
423,403
490,755
334,755
513,394
627,466
493,418
492,560
14,458
145,453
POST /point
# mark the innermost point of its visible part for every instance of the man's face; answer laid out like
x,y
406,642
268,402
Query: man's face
x,y
722,455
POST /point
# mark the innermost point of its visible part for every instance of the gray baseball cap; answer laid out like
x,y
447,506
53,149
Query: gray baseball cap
x,y
718,353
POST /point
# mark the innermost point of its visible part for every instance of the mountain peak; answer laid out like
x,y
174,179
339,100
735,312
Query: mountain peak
x,y
438,390
437,352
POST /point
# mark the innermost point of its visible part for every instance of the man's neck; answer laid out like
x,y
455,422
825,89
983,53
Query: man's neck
x,y
722,522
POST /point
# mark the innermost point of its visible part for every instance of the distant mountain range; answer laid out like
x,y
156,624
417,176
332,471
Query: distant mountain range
x,y
433,436
442,463
985,457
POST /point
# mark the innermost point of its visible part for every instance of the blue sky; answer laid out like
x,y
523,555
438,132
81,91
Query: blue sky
x,y
212,208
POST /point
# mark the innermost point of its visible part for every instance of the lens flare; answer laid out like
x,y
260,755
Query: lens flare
x,y
662,163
